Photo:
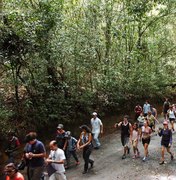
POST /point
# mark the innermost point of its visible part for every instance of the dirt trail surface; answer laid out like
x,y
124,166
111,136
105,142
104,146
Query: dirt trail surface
x,y
110,166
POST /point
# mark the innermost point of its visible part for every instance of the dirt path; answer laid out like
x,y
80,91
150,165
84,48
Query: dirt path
x,y
110,166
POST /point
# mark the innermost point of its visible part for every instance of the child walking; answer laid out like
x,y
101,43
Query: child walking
x,y
71,148
134,137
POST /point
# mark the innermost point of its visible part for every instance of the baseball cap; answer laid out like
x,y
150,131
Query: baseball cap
x,y
94,114
60,126
165,122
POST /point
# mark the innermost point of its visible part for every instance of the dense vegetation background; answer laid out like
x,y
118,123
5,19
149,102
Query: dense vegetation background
x,y
61,59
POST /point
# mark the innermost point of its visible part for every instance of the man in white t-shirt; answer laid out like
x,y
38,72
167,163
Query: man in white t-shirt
x,y
56,160
97,128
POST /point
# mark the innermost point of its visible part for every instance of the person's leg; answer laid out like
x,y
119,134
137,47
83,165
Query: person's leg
x,y
97,142
172,125
37,173
75,155
68,159
86,159
168,150
60,176
162,154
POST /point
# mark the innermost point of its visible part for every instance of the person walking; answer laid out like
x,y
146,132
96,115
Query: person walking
x,y
166,141
71,148
11,172
145,137
137,110
56,162
126,129
171,114
34,154
60,137
146,108
13,146
85,143
166,107
97,128
134,137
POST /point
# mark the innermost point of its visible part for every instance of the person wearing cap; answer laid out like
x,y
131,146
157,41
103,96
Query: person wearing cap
x,y
166,141
71,148
171,114
56,162
34,154
11,172
97,128
85,143
60,137
126,129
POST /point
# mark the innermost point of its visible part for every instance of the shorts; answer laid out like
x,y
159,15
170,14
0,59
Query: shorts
x,y
146,141
124,140
165,144
171,119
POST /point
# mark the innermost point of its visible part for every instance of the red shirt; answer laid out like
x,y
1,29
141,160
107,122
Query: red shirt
x,y
18,176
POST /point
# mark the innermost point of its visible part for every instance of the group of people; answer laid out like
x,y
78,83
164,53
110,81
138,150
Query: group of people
x,y
65,145
142,129
61,148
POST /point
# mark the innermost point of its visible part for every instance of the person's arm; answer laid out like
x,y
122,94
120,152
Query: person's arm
x,y
119,124
65,144
160,132
78,143
39,155
101,127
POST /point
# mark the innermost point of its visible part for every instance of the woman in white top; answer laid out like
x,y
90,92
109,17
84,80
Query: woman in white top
x,y
171,114
134,137
145,136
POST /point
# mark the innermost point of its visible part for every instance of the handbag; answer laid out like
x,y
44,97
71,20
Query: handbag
x,y
21,165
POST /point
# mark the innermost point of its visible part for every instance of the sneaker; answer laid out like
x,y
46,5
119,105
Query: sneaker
x,y
134,157
144,159
162,162
78,163
123,157
84,172
172,157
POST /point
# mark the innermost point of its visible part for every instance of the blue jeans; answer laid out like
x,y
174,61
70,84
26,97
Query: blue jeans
x,y
95,137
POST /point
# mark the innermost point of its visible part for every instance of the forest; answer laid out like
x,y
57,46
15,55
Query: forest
x,y
62,59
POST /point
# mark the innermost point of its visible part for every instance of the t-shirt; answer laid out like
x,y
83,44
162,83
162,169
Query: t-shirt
x,y
18,176
96,123
36,148
57,155
146,108
60,139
